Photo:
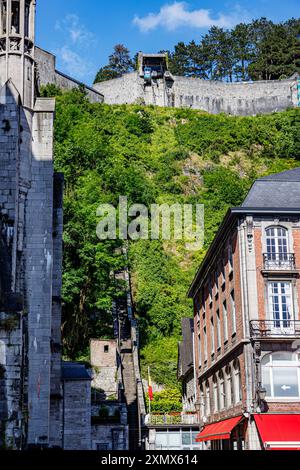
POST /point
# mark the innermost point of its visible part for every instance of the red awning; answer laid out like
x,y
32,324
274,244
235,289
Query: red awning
x,y
279,432
218,431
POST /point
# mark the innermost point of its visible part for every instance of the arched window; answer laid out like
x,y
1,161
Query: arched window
x,y
277,243
281,375
237,382
207,399
229,392
221,391
216,394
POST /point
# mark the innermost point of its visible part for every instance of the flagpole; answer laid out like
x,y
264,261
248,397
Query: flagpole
x,y
149,398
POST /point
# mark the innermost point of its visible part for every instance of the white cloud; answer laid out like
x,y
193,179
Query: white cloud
x,y
179,14
77,32
73,63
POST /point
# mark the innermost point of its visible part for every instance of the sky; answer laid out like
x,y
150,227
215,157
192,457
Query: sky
x,y
82,33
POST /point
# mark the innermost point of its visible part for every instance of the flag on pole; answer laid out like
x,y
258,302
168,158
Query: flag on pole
x,y
150,389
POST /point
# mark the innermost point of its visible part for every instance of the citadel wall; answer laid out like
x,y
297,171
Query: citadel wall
x,y
47,74
247,98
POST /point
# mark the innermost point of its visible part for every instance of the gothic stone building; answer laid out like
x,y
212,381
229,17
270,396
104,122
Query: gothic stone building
x,y
33,408
247,322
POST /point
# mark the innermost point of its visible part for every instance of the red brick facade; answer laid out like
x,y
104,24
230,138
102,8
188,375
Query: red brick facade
x,y
222,348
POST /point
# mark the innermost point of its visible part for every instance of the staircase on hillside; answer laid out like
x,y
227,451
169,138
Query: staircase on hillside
x,y
128,373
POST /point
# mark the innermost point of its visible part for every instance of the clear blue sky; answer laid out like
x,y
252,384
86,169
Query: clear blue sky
x,y
82,33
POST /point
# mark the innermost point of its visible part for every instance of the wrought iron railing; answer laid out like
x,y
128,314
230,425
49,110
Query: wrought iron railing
x,y
172,418
280,261
274,328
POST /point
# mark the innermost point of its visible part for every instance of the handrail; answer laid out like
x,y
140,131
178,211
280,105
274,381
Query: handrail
x,y
274,328
281,261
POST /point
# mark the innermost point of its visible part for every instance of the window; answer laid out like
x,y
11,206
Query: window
x,y
277,243
207,399
199,351
197,308
233,312
202,402
205,343
280,304
216,281
106,348
281,375
229,394
230,258
218,329
27,15
216,394
225,321
222,271
221,390
212,335
237,382
15,18
3,17
210,292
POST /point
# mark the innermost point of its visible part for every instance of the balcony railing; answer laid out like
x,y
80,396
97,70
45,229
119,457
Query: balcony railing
x,y
172,418
279,261
274,328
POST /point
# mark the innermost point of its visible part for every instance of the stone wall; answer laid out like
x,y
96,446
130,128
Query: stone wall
x,y
215,97
104,364
77,415
110,437
47,73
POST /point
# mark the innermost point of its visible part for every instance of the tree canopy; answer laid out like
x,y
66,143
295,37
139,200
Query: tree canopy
x,y
260,50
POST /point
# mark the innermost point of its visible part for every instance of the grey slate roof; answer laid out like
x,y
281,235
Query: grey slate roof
x,y
281,190
74,371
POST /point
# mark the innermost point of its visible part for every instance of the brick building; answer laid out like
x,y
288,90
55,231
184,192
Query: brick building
x,y
246,297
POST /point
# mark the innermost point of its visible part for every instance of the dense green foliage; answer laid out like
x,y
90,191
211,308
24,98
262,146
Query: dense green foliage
x,y
166,401
151,155
260,50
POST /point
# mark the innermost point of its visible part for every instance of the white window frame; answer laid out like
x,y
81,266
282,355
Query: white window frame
x,y
199,351
237,383
230,258
233,311
281,323
205,343
277,238
229,397
282,364
222,391
219,339
225,320
212,335
207,399
216,394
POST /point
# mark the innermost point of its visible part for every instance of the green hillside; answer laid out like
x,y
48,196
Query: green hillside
x,y
151,155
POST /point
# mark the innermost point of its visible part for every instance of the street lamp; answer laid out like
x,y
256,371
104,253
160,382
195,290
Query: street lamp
x,y
261,394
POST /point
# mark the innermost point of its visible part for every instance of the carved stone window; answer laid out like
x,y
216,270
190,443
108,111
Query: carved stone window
x,y
15,17
27,18
3,17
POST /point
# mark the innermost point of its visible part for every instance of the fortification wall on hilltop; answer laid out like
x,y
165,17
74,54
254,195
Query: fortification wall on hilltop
x,y
248,98
47,73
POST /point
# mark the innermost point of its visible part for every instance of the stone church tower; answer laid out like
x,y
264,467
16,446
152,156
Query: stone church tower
x,y
30,243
